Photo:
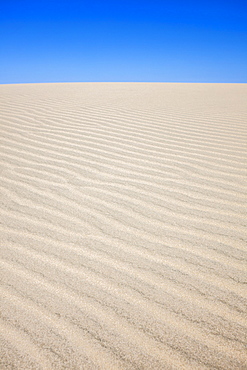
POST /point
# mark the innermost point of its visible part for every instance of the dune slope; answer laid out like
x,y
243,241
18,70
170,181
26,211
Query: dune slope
x,y
123,226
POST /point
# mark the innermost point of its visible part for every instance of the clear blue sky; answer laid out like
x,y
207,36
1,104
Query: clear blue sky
x,y
123,40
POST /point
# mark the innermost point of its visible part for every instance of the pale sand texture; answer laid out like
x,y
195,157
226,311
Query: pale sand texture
x,y
123,226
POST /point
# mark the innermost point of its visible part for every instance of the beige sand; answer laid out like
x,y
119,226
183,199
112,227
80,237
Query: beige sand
x,y
123,226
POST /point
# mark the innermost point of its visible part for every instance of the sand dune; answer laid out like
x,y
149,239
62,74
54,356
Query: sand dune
x,y
123,226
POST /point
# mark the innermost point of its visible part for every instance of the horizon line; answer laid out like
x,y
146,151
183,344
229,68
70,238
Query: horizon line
x,y
117,82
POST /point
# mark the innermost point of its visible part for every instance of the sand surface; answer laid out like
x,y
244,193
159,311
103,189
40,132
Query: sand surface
x,y
123,226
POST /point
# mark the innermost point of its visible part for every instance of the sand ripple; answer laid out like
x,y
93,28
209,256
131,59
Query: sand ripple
x,y
123,226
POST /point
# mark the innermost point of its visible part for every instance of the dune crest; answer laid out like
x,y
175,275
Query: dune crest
x,y
123,226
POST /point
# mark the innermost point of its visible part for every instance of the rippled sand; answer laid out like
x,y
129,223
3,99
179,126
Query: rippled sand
x,y
123,226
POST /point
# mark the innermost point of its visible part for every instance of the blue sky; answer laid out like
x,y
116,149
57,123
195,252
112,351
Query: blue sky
x,y
123,41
